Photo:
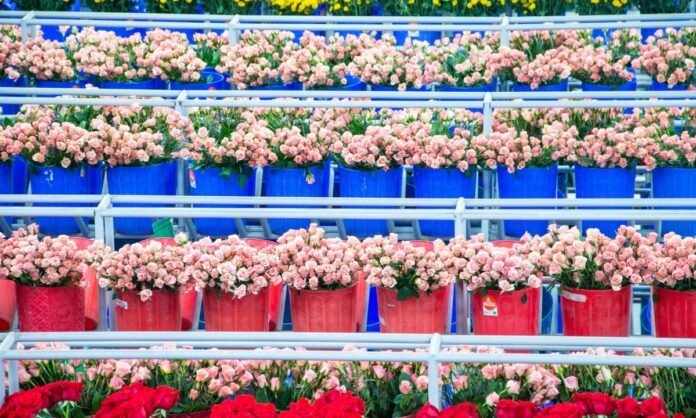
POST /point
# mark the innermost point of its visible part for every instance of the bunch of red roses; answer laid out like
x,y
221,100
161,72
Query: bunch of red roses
x,y
28,403
594,404
463,410
243,406
137,401
333,404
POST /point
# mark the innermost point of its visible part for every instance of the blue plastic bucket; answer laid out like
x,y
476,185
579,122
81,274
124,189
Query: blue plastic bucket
x,y
217,82
132,85
291,86
10,109
665,87
210,182
292,182
427,36
675,183
562,86
627,86
6,178
47,84
441,183
352,84
378,183
528,183
59,180
613,183
482,89
159,179
20,175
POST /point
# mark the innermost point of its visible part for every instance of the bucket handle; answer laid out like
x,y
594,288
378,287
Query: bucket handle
x,y
575,297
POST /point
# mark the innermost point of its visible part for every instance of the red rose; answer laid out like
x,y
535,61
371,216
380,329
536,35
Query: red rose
x,y
561,410
464,410
428,411
64,391
653,406
678,416
27,402
595,403
507,408
627,408
165,397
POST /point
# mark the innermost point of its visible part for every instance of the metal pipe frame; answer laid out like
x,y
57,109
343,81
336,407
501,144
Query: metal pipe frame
x,y
431,349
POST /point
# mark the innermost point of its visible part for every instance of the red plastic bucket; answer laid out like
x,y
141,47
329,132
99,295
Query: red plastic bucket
x,y
188,299
225,313
7,304
161,313
425,315
428,245
673,313
505,243
504,313
51,309
91,290
596,313
275,291
325,310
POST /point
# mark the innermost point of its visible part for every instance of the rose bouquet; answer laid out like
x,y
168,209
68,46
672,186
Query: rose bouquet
x,y
308,260
377,149
673,265
426,149
209,46
593,65
483,266
331,403
229,266
30,403
610,148
47,262
138,400
39,137
386,65
406,268
44,60
10,44
171,58
143,268
110,58
323,62
255,60
228,139
675,151
462,62
535,59
518,150
141,136
243,406
668,58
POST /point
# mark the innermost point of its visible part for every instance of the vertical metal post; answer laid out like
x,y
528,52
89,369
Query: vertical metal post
x,y
232,31
7,343
24,25
433,374
100,235
504,31
180,166
459,221
487,175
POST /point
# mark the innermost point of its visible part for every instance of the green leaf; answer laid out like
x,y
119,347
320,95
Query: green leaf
x,y
524,298
403,293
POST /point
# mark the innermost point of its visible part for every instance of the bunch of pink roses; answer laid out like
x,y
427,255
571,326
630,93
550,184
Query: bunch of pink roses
x,y
668,58
109,57
673,267
598,65
406,268
10,44
462,62
611,147
43,60
208,46
323,62
229,265
256,59
377,149
305,259
40,138
171,57
386,65
674,150
482,265
143,268
425,149
47,262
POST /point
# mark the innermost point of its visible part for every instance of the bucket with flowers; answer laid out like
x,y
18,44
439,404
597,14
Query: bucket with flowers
x,y
297,159
324,279
48,274
443,166
223,152
65,159
46,64
595,276
527,167
536,61
666,58
412,282
607,67
234,277
141,144
673,287
506,289
148,280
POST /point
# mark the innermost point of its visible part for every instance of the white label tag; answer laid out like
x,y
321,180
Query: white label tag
x,y
490,306
121,304
574,296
